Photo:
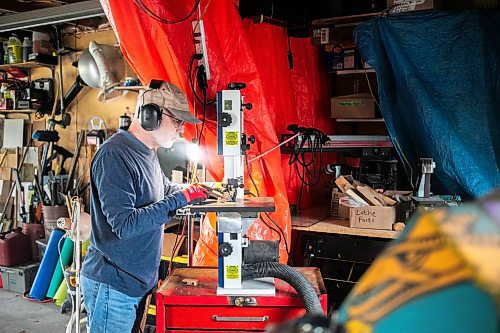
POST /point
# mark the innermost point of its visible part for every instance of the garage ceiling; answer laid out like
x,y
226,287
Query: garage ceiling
x,y
37,14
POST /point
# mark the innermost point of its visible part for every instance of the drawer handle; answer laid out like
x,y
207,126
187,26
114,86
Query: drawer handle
x,y
218,318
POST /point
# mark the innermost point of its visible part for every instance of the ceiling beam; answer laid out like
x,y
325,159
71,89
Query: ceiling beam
x,y
52,15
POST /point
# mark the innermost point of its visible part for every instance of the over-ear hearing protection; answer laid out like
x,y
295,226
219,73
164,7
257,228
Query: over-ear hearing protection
x,y
150,114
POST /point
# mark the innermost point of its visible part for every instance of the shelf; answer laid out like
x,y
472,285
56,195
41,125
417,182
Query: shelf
x,y
30,65
355,120
18,111
351,19
131,88
354,71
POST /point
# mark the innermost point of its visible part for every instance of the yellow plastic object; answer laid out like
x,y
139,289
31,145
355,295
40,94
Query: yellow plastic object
x,y
61,293
179,259
14,47
85,246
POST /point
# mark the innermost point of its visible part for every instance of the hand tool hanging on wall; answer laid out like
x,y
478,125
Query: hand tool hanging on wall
x,y
20,191
63,153
19,166
76,154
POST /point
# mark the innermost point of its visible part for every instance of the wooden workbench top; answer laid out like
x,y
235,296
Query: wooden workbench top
x,y
207,282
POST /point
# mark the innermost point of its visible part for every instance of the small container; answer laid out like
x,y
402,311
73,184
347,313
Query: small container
x,y
41,43
34,231
124,121
27,48
15,248
50,216
14,48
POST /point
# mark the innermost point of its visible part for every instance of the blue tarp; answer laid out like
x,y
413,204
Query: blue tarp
x,y
439,87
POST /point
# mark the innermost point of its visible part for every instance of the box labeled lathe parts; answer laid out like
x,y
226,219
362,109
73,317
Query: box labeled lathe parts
x,y
372,217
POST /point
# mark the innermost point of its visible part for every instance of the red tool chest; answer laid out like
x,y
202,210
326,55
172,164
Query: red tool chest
x,y
187,308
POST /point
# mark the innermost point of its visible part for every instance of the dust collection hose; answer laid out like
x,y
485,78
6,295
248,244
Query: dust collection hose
x,y
289,275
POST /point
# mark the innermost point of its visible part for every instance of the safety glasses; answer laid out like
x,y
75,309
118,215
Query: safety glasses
x,y
178,123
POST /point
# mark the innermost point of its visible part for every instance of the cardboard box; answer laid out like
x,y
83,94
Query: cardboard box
x,y
400,6
19,278
349,59
372,217
334,35
334,204
404,208
168,245
321,36
360,106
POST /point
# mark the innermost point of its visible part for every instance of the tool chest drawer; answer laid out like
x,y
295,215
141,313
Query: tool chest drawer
x,y
228,317
188,308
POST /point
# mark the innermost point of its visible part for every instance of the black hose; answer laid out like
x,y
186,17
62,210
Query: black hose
x,y
289,275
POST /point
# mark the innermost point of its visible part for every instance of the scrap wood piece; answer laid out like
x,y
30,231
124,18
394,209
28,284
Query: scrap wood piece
x,y
4,155
343,184
383,198
398,226
372,200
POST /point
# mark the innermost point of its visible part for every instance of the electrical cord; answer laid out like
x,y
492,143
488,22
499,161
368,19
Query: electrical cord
x,y
310,172
201,80
191,82
204,116
142,6
403,155
280,233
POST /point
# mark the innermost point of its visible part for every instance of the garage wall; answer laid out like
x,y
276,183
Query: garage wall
x,y
86,105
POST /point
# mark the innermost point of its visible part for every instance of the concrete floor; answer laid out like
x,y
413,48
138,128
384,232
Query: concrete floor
x,y
18,315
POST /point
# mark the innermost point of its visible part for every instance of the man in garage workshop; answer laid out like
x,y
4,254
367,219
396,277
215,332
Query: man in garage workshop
x,y
130,202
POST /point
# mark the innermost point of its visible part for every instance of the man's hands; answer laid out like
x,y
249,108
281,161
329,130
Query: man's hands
x,y
195,193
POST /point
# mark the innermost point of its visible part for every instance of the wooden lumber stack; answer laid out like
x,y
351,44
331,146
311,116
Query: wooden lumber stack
x,y
363,194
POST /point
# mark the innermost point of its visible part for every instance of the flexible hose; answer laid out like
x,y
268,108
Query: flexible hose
x,y
289,275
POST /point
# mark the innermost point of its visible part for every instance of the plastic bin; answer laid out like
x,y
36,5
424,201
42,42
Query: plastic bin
x,y
50,216
42,245
19,278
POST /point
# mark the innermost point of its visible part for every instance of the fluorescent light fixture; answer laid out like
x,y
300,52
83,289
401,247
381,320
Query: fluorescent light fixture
x,y
52,15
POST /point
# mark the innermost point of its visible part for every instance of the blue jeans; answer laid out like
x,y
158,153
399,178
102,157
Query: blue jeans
x,y
108,310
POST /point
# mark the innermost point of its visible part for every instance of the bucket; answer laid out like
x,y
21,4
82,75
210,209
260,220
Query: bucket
x,y
50,216
34,231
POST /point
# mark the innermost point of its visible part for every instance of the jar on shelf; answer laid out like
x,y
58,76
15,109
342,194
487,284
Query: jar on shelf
x,y
27,48
14,48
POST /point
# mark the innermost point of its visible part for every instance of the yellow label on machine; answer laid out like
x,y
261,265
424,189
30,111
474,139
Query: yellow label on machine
x,y
231,138
232,272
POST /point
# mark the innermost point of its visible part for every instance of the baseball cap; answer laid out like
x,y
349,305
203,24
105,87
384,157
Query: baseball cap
x,y
170,97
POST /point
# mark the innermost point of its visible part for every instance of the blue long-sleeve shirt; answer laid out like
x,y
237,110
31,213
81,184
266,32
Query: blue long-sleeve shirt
x,y
130,201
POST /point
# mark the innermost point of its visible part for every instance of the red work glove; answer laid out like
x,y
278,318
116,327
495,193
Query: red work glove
x,y
195,193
